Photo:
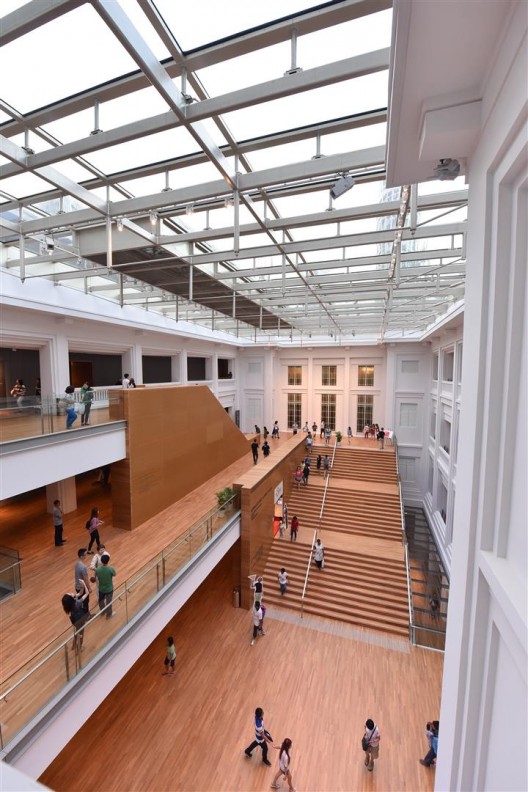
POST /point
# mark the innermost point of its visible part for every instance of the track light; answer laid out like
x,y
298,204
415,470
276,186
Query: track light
x,y
153,218
50,247
189,209
228,202
119,223
342,185
447,169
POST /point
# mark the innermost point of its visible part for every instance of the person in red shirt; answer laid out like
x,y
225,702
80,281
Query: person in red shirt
x,y
294,528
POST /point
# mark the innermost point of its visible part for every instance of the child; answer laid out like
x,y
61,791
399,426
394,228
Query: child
x,y
283,581
170,657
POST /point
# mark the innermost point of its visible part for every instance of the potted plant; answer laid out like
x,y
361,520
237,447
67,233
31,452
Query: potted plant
x,y
224,496
339,437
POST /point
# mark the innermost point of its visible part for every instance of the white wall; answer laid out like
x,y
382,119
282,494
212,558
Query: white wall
x,y
484,696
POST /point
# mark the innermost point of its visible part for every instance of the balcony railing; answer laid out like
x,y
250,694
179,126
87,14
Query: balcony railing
x,y
24,694
46,414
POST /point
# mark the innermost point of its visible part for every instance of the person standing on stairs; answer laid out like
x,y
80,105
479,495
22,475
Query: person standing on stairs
x,y
349,434
319,554
326,465
319,461
294,528
305,474
381,438
283,581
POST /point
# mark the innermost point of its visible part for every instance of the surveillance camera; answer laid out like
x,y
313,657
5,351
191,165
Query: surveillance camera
x,y
341,186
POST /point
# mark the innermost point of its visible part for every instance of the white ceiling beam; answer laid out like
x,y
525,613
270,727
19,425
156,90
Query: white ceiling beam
x,y
32,15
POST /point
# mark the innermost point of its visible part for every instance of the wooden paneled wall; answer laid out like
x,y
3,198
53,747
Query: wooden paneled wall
x,y
177,438
257,488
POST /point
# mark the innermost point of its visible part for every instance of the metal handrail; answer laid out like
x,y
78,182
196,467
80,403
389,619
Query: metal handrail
x,y
316,531
124,588
405,547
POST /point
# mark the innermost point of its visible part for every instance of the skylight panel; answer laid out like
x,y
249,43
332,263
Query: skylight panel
x,y
24,184
42,59
350,96
202,24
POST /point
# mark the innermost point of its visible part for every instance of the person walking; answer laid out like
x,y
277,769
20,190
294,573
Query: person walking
x,y
125,382
306,474
281,528
265,433
326,465
262,737
18,392
275,432
284,766
170,657
285,515
105,575
328,435
349,434
256,616
381,438
87,395
366,431
318,463
80,578
298,476
306,428
295,427
319,554
432,731
370,742
294,528
309,442
314,429
92,526
57,515
283,581
266,448
322,431
254,451
69,401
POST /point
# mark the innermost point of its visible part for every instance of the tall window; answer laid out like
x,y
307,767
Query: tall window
x,y
294,408
366,375
365,411
329,375
294,375
328,406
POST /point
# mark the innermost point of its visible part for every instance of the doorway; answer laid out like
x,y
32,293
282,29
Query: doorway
x,y
80,372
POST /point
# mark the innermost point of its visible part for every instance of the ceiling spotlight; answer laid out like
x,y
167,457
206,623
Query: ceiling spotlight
x,y
189,209
228,202
119,223
447,169
342,185
50,247
153,218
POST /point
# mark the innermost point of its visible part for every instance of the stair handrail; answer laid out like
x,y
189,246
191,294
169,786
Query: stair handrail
x,y
405,546
316,531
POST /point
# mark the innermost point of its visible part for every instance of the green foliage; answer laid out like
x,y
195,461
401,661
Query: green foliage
x,y
223,496
339,436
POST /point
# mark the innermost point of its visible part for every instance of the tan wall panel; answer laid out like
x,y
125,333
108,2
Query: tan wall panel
x,y
257,489
177,438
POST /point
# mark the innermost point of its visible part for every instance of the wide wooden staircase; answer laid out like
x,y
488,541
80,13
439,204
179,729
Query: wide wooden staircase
x,y
364,581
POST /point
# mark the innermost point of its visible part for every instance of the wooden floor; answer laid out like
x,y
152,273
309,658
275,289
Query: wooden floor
x,y
316,682
34,617
187,732
15,425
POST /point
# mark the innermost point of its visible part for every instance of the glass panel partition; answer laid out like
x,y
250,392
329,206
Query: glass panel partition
x,y
47,414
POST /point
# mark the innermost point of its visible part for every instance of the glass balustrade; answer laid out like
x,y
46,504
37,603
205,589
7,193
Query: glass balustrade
x,y
40,679
34,416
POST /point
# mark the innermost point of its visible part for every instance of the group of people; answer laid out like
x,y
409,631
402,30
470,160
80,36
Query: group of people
x,y
262,739
77,603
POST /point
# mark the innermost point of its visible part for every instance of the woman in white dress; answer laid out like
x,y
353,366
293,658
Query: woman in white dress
x,y
284,766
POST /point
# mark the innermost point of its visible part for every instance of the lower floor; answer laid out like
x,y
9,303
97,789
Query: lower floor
x,y
317,681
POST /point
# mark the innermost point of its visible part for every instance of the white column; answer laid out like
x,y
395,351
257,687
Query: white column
x,y
65,491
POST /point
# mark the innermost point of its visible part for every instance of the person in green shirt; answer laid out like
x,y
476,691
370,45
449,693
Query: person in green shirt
x,y
105,575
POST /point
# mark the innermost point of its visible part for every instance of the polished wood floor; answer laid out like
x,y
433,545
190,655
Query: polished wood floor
x,y
317,685
187,732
